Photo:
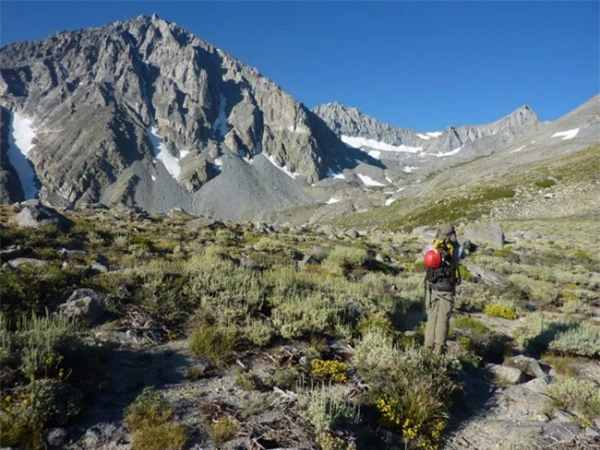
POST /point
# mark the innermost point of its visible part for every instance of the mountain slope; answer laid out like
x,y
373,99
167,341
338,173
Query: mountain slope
x,y
112,107
351,123
549,173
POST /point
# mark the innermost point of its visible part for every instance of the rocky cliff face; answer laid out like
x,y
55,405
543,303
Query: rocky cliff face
x,y
111,108
351,122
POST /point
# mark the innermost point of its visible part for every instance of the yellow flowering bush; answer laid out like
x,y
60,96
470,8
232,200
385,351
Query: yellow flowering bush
x,y
421,435
331,370
497,310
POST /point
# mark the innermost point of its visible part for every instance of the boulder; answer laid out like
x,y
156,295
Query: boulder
x,y
539,385
85,304
491,234
69,254
508,375
38,215
352,234
309,259
528,365
10,252
18,262
178,212
486,275
98,268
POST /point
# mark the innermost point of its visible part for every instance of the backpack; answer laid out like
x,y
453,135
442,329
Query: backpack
x,y
445,277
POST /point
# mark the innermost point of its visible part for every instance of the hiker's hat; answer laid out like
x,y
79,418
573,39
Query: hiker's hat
x,y
446,231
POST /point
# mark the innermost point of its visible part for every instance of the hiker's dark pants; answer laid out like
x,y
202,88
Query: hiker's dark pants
x,y
439,307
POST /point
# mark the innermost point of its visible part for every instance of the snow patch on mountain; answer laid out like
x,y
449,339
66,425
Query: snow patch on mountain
x,y
429,135
218,164
568,134
516,150
332,200
450,153
221,127
290,174
368,181
375,154
389,201
170,162
359,142
20,143
409,169
332,174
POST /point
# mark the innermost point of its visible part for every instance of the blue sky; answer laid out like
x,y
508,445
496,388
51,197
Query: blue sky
x,y
421,65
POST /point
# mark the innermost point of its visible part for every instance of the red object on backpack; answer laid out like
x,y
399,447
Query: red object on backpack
x,y
433,259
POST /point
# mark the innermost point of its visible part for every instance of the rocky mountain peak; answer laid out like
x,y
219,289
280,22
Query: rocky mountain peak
x,y
117,109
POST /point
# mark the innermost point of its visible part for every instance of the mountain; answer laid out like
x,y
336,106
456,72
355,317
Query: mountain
x,y
142,112
145,114
551,172
361,130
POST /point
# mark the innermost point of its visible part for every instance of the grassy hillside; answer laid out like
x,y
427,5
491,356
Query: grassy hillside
x,y
444,202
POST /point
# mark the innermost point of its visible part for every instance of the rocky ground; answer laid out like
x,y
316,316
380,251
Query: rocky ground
x,y
504,399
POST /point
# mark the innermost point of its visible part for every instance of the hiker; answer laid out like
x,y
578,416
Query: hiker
x,y
442,276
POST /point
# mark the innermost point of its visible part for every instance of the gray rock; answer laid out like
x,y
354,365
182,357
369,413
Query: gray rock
x,y
99,435
486,275
528,365
36,216
352,234
539,385
84,304
10,252
425,233
98,267
541,417
56,437
68,254
490,234
177,212
309,259
18,262
508,375
531,235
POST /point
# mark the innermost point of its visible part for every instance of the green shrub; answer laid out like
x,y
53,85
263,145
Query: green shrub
x,y
470,324
223,429
30,409
214,342
582,340
41,340
151,417
150,409
581,395
30,288
545,183
327,410
341,260
505,312
285,378
259,332
168,436
537,331
411,389
247,381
